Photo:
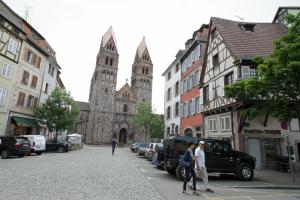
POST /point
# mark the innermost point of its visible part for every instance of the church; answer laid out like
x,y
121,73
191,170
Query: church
x,y
108,114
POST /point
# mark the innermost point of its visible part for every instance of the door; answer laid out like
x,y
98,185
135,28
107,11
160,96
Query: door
x,y
254,149
122,136
222,157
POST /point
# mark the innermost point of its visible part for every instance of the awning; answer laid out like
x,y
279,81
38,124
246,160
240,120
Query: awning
x,y
20,121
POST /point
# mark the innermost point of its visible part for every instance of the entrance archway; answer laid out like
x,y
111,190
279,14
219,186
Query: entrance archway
x,y
123,136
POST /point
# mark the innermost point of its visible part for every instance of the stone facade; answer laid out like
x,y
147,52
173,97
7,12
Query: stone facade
x,y
110,110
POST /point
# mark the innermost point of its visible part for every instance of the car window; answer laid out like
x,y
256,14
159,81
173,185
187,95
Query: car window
x,y
143,145
221,147
208,147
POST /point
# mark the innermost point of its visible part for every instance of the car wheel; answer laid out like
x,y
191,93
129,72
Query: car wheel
x,y
171,171
21,155
245,172
180,172
61,150
38,153
5,154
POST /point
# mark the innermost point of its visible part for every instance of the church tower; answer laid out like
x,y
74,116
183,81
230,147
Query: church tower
x,y
142,74
103,90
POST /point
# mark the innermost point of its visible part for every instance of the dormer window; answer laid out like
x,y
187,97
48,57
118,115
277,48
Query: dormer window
x,y
248,27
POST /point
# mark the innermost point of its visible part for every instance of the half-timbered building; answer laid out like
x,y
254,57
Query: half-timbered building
x,y
231,46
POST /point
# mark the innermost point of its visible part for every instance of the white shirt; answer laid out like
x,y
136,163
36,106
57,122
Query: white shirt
x,y
200,157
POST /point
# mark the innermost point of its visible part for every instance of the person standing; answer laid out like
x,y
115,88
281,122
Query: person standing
x,y
113,145
200,166
189,168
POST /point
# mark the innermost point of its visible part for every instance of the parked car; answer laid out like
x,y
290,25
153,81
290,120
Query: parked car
x,y
141,149
14,146
133,146
158,157
37,143
55,145
219,157
150,151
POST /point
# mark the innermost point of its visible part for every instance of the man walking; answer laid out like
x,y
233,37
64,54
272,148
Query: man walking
x,y
200,166
113,145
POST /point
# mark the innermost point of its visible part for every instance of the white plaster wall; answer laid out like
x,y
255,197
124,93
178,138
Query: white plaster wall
x,y
175,76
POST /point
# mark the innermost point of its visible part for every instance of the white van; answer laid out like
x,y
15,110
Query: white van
x,y
37,143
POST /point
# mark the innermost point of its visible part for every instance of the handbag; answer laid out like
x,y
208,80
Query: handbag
x,y
183,163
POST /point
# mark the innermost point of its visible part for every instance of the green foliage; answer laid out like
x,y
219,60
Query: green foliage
x,y
276,89
149,122
58,112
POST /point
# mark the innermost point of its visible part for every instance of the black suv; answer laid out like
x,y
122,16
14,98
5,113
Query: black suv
x,y
219,157
55,145
14,146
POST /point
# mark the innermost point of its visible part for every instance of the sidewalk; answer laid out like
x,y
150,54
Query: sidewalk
x,y
277,179
263,179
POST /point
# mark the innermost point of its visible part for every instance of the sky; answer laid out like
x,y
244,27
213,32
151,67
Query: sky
x,y
74,29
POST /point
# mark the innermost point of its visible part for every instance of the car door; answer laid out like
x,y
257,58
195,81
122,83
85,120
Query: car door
x,y
223,160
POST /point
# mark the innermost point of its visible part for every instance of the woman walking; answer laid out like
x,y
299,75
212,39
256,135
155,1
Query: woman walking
x,y
188,163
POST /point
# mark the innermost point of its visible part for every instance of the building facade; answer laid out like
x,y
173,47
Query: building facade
x,y
111,110
231,46
172,97
191,66
11,38
25,56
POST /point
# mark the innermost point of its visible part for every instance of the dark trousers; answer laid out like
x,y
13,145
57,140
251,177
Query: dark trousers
x,y
113,150
189,170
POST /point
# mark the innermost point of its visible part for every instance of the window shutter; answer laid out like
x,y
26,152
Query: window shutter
x,y
210,91
245,72
235,73
201,96
25,54
221,81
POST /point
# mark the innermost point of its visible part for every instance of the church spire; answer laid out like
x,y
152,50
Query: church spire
x,y
141,48
107,36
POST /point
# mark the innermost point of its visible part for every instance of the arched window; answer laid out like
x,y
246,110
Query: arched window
x,y
106,60
188,132
106,90
111,62
125,108
146,70
143,70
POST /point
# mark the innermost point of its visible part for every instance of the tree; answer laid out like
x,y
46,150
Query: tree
x,y
149,122
58,112
276,88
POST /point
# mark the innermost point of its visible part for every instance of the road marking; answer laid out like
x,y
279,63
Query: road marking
x,y
150,178
143,170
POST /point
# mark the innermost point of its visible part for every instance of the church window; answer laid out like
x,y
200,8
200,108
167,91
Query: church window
x,y
146,70
143,70
111,62
106,90
106,60
125,108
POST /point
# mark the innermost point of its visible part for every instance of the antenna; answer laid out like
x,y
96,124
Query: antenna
x,y
240,18
27,12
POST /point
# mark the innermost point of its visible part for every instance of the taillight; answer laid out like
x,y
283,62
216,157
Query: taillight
x,y
33,144
17,145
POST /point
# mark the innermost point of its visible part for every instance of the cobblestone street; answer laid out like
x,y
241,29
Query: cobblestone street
x,y
91,173
94,174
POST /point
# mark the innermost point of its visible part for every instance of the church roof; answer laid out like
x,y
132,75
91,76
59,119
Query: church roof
x,y
141,48
106,37
126,89
83,106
